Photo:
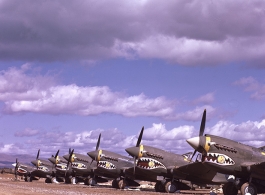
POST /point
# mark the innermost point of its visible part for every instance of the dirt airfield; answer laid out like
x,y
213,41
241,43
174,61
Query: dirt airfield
x,y
10,187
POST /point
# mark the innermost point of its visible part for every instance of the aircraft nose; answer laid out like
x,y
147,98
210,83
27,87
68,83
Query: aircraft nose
x,y
133,151
34,162
194,142
93,154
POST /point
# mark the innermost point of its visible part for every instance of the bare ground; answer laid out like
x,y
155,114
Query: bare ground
x,y
9,187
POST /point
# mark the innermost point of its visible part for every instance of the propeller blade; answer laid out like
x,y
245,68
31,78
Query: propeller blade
x,y
140,137
16,168
69,151
203,123
38,154
69,160
56,154
97,146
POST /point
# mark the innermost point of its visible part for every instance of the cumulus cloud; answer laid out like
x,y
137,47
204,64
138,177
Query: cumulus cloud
x,y
250,84
250,132
28,132
157,135
22,91
195,32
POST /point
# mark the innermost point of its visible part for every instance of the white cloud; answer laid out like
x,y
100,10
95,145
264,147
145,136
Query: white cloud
x,y
22,91
28,132
250,84
157,135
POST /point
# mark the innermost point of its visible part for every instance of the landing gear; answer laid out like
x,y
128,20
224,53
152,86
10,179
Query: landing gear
x,y
248,188
114,183
171,187
48,180
67,180
122,183
159,187
73,180
53,180
230,189
28,179
92,181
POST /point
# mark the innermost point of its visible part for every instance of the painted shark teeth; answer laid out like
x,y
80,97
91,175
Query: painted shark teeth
x,y
149,163
43,168
220,159
21,170
61,167
78,165
106,165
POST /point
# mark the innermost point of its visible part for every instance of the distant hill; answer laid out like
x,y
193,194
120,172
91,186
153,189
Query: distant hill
x,y
6,160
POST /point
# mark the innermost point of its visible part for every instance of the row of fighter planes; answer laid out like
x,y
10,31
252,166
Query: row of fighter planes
x,y
220,161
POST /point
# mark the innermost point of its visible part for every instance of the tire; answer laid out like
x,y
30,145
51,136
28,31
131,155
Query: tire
x,y
248,188
48,180
159,187
67,180
92,181
73,180
53,180
122,184
114,184
230,189
171,187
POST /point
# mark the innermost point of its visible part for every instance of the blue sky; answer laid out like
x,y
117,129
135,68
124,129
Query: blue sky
x,y
70,70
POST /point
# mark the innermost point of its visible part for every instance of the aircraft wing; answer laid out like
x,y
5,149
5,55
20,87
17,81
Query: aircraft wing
x,y
197,172
256,170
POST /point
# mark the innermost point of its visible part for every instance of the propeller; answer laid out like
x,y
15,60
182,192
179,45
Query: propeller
x,y
202,128
38,154
97,147
37,158
69,160
99,137
16,168
137,145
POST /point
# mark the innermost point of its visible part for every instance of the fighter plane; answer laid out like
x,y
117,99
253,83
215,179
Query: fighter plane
x,y
171,171
26,171
62,170
45,169
226,156
83,167
113,165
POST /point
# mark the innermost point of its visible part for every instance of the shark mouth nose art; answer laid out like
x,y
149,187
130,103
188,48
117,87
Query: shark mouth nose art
x,y
21,170
61,167
106,165
149,163
43,168
220,159
77,165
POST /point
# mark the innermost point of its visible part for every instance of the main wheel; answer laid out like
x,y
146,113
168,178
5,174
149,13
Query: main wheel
x,y
171,187
28,179
92,181
248,188
114,183
73,180
67,180
48,180
230,189
53,180
159,187
122,184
